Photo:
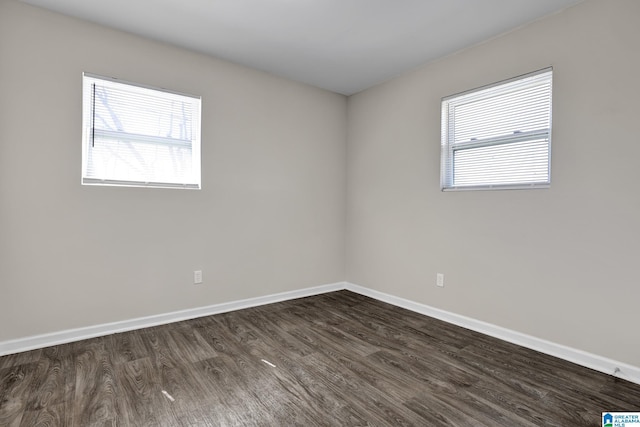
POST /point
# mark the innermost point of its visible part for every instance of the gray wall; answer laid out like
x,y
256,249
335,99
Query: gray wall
x,y
559,264
270,217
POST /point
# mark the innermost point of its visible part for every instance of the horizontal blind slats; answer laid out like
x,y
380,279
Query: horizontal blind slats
x,y
498,135
139,135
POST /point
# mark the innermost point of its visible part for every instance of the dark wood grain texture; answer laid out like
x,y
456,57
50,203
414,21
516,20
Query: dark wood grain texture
x,y
328,360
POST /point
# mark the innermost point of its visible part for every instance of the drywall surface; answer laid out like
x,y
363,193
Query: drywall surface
x,y
560,264
269,218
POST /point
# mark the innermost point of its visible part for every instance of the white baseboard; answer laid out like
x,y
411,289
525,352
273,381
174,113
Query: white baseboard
x,y
70,335
583,358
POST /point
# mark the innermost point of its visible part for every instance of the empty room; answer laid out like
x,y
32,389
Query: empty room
x,y
319,213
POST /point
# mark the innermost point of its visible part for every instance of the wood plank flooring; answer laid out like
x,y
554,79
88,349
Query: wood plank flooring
x,y
339,359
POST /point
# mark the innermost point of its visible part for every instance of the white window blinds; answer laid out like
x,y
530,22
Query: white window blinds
x,y
498,136
138,136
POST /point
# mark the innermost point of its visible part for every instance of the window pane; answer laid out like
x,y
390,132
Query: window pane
x,y
498,135
516,163
141,112
518,111
139,136
123,160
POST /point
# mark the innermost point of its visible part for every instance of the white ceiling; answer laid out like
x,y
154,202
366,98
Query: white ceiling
x,y
341,45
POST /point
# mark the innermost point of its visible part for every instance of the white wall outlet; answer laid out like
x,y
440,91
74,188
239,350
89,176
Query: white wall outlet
x,y
197,277
440,280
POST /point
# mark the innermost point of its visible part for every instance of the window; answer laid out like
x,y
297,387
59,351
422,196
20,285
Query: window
x,y
139,136
498,136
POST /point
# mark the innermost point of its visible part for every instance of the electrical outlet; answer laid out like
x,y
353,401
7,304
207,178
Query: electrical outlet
x,y
197,277
440,280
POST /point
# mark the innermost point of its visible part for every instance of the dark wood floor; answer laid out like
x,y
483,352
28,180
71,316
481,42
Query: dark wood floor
x,y
338,359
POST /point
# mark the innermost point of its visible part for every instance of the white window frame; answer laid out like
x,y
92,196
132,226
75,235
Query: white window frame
x,y
529,152
92,134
